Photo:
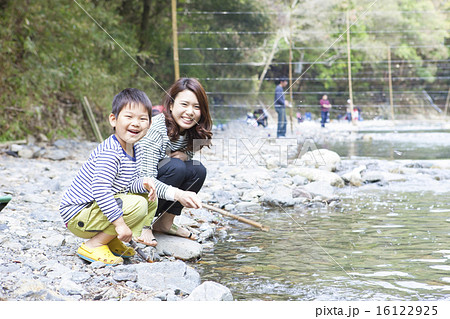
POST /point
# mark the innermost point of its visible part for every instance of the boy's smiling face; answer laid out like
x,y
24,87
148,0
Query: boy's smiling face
x,y
131,124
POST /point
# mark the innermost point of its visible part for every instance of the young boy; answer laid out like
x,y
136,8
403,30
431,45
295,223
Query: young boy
x,y
105,202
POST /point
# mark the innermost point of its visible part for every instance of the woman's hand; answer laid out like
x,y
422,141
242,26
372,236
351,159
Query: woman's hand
x,y
124,232
180,155
150,186
188,199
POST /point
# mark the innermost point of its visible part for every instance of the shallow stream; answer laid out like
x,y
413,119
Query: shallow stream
x,y
377,244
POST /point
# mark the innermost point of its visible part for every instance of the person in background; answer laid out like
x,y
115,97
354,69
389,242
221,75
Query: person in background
x,y
325,107
348,110
355,115
280,107
299,117
183,127
261,117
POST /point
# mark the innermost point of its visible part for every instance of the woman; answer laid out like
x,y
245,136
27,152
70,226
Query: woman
x,y
182,128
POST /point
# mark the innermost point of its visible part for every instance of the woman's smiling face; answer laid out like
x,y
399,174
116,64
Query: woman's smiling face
x,y
186,110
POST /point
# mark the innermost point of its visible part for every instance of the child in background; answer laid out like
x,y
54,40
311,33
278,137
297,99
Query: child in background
x,y
108,202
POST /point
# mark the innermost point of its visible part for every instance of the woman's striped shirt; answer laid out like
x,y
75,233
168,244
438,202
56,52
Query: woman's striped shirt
x,y
156,146
108,171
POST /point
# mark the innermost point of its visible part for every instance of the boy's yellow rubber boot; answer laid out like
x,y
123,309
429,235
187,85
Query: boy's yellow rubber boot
x,y
101,253
118,248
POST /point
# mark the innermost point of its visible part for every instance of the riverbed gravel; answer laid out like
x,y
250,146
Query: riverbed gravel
x,y
248,170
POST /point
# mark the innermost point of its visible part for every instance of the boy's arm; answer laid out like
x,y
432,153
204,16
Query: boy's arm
x,y
106,169
144,185
124,232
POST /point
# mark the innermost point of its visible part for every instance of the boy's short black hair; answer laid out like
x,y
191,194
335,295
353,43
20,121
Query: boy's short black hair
x,y
131,96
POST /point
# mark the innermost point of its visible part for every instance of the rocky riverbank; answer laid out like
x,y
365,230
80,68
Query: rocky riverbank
x,y
38,254
248,170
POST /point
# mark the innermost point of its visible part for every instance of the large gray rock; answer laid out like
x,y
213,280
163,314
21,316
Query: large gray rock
x,y
245,207
210,291
320,188
279,195
354,177
322,157
314,174
181,248
167,275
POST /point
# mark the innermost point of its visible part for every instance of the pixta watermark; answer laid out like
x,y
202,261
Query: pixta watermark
x,y
259,152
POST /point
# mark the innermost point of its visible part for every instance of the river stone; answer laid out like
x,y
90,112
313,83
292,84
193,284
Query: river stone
x,y
181,248
252,195
26,152
16,148
56,155
56,240
393,177
314,174
246,207
354,177
320,188
185,221
210,291
279,195
124,276
167,275
372,177
30,287
224,197
273,163
322,157
204,216
77,276
299,180
68,287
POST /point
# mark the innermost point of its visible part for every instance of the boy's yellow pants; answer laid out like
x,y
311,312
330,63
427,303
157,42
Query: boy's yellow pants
x,y
138,212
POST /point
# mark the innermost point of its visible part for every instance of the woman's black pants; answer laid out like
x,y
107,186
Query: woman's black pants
x,y
188,176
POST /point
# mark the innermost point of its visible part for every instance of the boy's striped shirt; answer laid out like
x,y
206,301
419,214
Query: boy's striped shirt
x,y
108,171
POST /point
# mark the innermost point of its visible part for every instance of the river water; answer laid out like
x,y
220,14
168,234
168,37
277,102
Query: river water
x,y
379,243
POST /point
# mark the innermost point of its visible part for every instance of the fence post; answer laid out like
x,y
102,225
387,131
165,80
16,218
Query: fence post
x,y
391,98
290,67
446,104
349,63
176,60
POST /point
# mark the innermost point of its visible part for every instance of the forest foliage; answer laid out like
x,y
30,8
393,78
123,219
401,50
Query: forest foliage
x,y
52,53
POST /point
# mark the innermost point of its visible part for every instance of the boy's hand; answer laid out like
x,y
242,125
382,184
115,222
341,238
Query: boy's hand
x,y
124,232
150,186
180,155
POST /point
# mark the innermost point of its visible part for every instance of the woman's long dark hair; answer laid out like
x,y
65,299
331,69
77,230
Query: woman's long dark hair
x,y
200,131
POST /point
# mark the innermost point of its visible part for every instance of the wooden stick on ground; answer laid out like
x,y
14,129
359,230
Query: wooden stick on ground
x,y
90,114
140,252
239,218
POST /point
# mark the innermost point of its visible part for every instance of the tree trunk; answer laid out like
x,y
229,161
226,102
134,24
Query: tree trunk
x,y
144,23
